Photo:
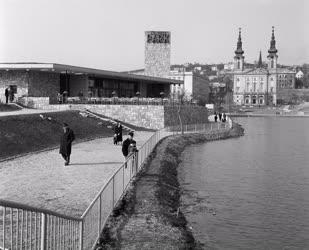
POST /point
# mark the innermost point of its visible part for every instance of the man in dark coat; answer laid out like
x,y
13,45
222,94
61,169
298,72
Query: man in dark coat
x,y
129,148
129,145
6,93
66,143
118,133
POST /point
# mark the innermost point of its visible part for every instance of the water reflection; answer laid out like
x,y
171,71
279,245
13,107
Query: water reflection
x,y
251,192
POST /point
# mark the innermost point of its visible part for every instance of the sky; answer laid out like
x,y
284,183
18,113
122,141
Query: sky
x,y
109,34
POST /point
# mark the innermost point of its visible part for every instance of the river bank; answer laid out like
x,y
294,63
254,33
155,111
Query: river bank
x,y
148,217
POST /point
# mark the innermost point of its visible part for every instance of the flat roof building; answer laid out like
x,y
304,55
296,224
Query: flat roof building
x,y
49,79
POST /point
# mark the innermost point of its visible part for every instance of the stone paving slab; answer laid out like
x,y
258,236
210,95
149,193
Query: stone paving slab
x,y
42,180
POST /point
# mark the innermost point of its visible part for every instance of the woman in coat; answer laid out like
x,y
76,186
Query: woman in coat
x,y
118,133
66,143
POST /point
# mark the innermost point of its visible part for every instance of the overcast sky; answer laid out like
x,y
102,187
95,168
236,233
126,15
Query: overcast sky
x,y
109,34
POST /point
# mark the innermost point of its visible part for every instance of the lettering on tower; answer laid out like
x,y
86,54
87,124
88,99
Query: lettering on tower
x,y
157,53
158,37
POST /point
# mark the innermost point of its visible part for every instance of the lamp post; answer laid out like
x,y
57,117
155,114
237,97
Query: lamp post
x,y
162,96
114,95
138,95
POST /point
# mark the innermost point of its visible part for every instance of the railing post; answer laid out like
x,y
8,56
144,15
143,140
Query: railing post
x,y
122,178
100,214
43,231
114,190
81,229
4,214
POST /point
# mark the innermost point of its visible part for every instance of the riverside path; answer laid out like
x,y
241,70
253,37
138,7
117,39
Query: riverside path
x,y
41,180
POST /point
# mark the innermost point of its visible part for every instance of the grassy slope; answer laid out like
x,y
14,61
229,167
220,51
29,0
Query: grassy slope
x,y
28,133
7,108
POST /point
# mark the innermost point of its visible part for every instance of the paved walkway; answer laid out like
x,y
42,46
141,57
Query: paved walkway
x,y
41,180
25,112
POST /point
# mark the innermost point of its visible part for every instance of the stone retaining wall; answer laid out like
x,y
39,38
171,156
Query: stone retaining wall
x,y
148,116
34,102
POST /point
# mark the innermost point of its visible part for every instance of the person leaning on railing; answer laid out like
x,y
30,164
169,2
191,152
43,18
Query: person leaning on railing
x,y
129,147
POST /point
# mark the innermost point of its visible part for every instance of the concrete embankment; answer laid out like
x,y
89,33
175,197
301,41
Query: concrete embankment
x,y
148,217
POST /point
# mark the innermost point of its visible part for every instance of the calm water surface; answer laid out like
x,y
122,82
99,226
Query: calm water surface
x,y
250,192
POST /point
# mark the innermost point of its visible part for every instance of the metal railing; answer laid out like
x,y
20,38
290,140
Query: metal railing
x,y
26,227
125,101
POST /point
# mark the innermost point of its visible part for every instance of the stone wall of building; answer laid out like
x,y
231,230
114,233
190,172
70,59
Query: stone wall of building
x,y
157,53
14,78
44,84
148,116
34,102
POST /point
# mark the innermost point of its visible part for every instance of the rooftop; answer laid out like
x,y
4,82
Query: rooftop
x,y
69,69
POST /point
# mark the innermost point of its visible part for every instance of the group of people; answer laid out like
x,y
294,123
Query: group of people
x,y
222,117
129,145
9,95
67,137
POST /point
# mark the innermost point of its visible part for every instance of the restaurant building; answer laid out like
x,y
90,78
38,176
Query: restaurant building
x,y
46,80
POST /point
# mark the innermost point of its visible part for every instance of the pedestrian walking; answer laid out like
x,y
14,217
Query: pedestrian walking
x,y
224,117
220,116
11,94
59,98
118,133
66,143
6,93
216,117
129,148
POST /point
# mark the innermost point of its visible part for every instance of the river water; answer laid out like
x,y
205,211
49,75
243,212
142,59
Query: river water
x,y
250,192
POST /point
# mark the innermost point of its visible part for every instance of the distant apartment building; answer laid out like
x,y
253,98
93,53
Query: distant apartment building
x,y
299,74
194,86
214,68
197,68
228,66
259,85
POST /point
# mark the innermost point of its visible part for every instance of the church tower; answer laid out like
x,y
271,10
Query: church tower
x,y
239,58
272,52
260,62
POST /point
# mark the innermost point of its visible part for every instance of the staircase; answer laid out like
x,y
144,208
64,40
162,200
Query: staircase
x,y
106,119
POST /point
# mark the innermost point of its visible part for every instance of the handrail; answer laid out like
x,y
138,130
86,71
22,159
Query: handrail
x,y
84,231
102,189
16,205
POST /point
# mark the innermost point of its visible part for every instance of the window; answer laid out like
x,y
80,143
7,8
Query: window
x,y
237,90
272,64
248,85
261,86
238,64
254,86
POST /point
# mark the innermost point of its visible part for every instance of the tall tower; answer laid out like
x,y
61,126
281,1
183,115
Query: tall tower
x,y
260,62
157,53
239,58
272,52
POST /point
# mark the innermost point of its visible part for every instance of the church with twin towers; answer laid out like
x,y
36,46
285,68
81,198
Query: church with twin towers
x,y
261,84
